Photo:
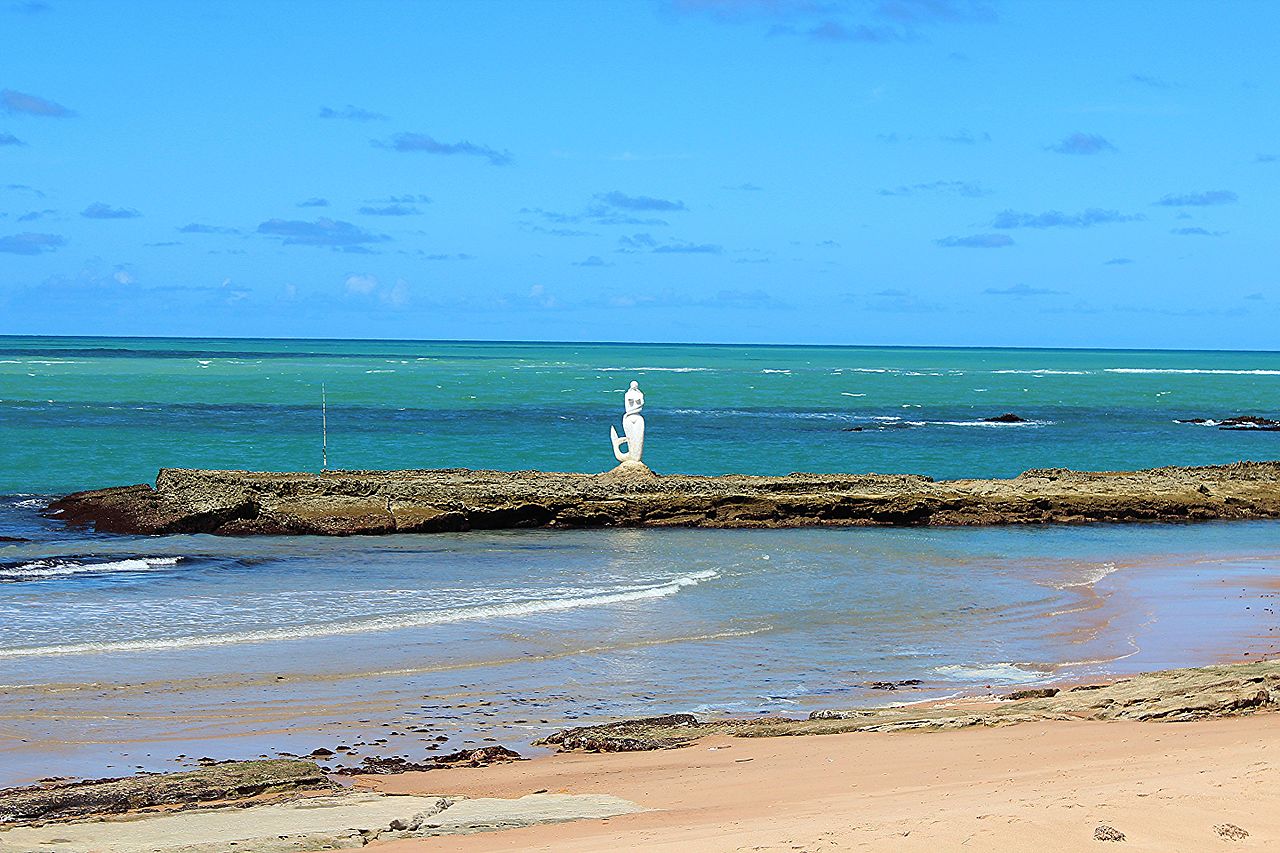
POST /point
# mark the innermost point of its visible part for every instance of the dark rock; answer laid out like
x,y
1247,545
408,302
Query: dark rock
x,y
479,757
1238,422
852,429
320,753
627,735
893,685
13,539
378,766
1250,422
1006,418
1230,832
226,781
1107,833
1034,693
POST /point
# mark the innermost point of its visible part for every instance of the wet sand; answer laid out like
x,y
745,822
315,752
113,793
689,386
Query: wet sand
x,y
1027,787
1176,760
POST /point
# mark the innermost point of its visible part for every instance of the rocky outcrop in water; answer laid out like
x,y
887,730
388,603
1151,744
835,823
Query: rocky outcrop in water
x,y
340,503
1248,422
1242,423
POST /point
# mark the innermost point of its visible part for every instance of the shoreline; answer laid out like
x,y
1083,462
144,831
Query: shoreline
x,y
344,503
75,721
979,760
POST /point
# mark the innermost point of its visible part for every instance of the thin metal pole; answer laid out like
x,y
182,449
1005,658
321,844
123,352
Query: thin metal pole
x,y
324,430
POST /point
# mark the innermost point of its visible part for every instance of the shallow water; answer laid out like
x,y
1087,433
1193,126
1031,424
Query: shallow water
x,y
138,649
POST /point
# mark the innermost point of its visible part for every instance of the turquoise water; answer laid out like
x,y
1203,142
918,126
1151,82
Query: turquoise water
x,y
81,412
119,653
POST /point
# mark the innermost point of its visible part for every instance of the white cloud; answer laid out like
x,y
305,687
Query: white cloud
x,y
361,284
397,296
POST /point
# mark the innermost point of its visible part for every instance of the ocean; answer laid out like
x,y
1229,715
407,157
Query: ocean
x,y
121,653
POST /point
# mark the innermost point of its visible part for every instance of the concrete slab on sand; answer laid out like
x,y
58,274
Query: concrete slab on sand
x,y
339,822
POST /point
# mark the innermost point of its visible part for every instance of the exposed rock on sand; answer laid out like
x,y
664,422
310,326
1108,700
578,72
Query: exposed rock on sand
x,y
229,781
378,766
1107,833
628,735
368,502
479,757
1175,695
1231,832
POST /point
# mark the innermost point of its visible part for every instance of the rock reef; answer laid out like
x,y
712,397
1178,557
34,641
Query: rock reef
x,y
341,503
1239,423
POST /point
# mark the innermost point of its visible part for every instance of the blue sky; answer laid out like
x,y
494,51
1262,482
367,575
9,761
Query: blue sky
x,y
809,171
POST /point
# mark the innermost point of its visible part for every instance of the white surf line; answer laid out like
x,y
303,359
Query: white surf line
x,y
364,626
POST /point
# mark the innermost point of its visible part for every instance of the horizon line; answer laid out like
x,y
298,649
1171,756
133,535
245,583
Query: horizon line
x,y
526,342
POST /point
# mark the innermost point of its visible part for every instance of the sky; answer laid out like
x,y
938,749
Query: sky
x,y
864,172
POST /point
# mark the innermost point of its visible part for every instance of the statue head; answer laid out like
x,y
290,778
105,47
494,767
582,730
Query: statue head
x,y
635,386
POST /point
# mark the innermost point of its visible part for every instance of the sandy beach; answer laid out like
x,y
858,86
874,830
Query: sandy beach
x,y
1179,760
1027,787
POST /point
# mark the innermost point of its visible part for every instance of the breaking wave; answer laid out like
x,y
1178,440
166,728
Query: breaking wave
x,y
741,413
1215,372
896,421
1046,372
1091,577
37,569
364,626
655,369
1007,673
992,423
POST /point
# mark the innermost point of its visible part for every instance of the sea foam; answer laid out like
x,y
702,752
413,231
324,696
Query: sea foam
x,y
1008,673
1214,372
37,569
364,626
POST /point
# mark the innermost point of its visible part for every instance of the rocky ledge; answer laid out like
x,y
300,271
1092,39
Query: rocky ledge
x,y
340,503
235,780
